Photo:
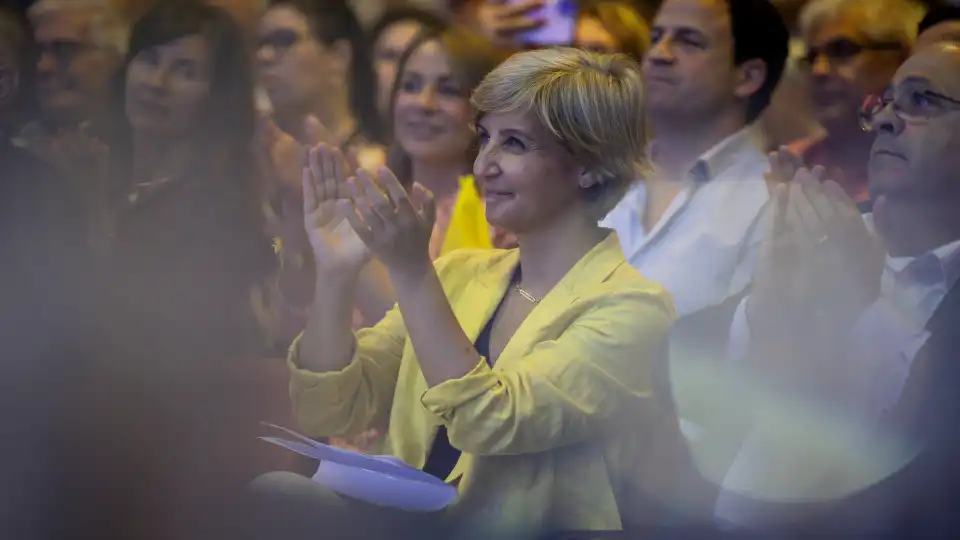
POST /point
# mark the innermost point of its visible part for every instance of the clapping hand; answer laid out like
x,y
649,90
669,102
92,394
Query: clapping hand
x,y
326,202
395,227
819,266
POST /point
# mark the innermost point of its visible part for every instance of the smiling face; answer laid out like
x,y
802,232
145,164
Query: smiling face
x,y
529,180
432,112
167,86
919,157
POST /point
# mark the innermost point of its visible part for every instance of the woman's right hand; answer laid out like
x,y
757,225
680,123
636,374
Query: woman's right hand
x,y
326,199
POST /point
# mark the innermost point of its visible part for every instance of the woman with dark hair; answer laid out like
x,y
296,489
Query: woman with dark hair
x,y
431,117
389,37
189,244
171,408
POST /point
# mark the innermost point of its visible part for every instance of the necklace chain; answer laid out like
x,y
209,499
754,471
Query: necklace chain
x,y
526,295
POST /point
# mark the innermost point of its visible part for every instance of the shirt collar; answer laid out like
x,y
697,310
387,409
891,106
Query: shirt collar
x,y
940,266
720,156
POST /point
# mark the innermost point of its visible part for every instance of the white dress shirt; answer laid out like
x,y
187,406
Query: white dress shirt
x,y
827,446
704,247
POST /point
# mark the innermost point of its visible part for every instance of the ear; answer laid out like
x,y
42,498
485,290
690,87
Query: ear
x,y
342,51
751,76
588,178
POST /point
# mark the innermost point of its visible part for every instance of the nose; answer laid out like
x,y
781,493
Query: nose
x,y
661,53
427,98
887,121
157,79
820,65
487,164
266,54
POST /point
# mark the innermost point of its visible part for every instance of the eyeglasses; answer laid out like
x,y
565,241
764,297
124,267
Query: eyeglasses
x,y
843,50
913,103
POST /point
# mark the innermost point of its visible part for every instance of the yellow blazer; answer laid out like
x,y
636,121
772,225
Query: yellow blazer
x,y
548,431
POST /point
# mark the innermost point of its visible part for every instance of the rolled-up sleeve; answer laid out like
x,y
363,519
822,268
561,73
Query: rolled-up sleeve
x,y
565,390
359,396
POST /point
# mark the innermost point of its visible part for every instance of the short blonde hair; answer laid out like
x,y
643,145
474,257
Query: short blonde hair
x,y
884,20
591,103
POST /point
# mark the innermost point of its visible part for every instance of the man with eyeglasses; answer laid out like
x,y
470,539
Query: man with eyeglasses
x,y
852,48
853,324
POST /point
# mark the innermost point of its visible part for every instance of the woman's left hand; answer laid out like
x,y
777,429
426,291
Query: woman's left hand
x,y
396,228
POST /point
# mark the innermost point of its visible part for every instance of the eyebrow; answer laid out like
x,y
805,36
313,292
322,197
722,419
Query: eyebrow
x,y
517,133
687,31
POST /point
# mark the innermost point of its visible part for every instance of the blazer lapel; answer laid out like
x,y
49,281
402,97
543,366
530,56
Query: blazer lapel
x,y
591,269
920,406
482,295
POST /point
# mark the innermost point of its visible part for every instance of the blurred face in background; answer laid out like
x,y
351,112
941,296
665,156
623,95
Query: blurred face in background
x,y
73,71
432,112
389,47
689,69
167,86
295,68
592,36
844,65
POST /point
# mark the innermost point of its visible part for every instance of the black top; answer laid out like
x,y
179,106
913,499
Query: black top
x,y
443,456
183,263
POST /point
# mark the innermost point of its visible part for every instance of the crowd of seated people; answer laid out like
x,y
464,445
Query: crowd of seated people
x,y
690,272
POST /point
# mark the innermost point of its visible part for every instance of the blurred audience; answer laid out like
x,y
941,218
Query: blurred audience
x,y
852,48
389,37
602,25
852,338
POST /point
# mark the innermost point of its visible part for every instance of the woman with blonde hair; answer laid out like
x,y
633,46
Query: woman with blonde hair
x,y
522,377
608,26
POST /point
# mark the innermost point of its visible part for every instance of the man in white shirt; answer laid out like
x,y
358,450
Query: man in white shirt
x,y
852,356
692,224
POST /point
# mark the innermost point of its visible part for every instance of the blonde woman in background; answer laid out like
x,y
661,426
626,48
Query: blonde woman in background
x,y
523,377
609,26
